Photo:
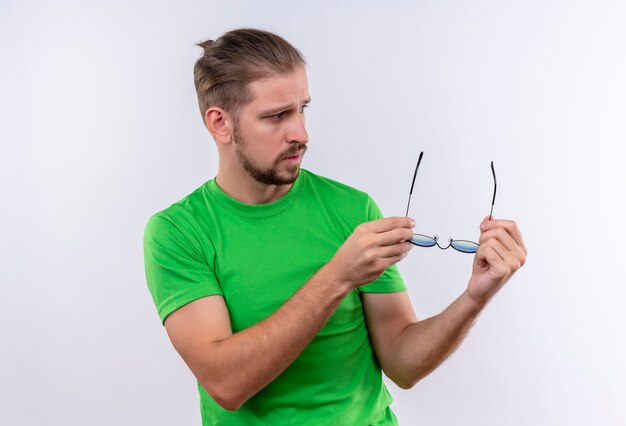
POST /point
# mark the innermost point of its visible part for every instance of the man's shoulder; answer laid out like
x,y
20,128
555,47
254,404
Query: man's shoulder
x,y
184,208
334,188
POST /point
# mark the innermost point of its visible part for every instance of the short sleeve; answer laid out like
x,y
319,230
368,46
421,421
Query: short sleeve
x,y
390,281
177,271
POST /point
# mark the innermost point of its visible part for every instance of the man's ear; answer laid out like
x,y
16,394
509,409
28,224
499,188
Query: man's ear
x,y
220,124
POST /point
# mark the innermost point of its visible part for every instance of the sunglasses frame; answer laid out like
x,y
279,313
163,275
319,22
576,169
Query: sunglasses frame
x,y
451,241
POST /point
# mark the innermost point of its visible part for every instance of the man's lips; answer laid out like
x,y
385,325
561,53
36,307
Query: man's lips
x,y
293,156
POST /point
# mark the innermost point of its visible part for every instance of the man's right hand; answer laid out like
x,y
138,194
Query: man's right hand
x,y
371,249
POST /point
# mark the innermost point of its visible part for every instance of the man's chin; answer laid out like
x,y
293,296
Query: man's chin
x,y
290,176
286,177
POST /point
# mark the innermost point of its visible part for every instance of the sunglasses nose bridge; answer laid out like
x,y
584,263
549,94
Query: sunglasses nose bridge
x,y
446,247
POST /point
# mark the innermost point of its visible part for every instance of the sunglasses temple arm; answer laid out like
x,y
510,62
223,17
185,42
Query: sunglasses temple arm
x,y
495,187
419,160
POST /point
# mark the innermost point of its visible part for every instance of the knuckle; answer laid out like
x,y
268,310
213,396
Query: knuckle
x,y
515,265
369,256
379,266
368,240
398,250
503,271
517,229
401,235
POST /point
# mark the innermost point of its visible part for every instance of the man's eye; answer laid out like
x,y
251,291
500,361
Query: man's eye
x,y
303,107
279,116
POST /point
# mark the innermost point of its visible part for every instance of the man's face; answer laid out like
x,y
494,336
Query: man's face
x,y
270,136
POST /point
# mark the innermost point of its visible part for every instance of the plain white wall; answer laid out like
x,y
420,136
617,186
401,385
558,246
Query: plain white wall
x,y
100,129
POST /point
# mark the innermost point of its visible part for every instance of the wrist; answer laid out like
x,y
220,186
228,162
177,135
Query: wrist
x,y
331,282
474,303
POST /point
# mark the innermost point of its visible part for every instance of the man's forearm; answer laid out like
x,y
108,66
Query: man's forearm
x,y
249,360
425,344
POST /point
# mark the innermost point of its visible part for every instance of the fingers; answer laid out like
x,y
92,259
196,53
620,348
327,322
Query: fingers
x,y
502,248
500,259
487,256
394,259
394,236
388,223
507,242
509,226
386,232
393,250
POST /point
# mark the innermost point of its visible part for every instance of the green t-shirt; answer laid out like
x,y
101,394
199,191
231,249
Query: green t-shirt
x,y
256,257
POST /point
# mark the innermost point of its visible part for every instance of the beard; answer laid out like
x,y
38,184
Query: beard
x,y
268,176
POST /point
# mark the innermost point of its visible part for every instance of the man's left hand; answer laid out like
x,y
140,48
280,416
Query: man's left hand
x,y
501,253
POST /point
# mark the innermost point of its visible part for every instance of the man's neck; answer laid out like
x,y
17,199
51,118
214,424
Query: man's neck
x,y
247,190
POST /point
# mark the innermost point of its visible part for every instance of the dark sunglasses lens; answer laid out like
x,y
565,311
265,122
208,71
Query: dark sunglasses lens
x,y
423,240
464,246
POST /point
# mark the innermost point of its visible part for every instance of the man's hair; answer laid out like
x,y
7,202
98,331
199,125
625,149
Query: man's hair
x,y
222,75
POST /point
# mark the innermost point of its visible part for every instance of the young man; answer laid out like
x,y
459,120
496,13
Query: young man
x,y
278,287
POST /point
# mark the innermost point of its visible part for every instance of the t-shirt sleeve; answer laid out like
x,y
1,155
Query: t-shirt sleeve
x,y
390,281
177,271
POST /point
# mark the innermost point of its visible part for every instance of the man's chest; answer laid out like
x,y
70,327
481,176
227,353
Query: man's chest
x,y
260,267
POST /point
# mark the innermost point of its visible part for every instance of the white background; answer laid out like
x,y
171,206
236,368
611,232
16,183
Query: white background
x,y
100,129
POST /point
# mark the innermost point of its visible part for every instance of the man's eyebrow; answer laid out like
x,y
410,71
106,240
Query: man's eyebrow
x,y
282,108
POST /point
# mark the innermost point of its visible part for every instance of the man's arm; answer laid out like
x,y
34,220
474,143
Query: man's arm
x,y
234,367
408,349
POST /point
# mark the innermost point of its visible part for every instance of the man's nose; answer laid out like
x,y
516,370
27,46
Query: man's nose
x,y
297,130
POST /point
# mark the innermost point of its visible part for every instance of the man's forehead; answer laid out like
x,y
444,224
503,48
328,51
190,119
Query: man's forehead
x,y
280,89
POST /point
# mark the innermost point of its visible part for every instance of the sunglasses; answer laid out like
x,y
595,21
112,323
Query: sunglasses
x,y
464,246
